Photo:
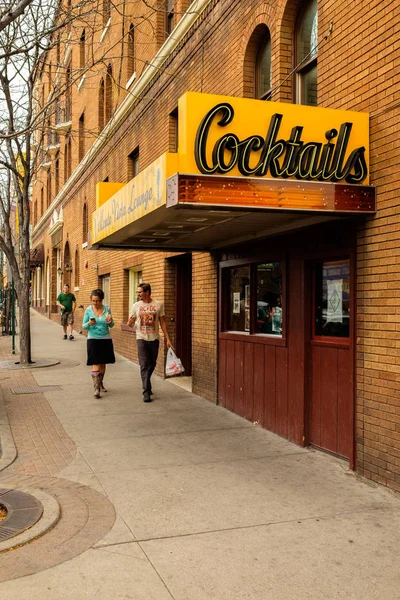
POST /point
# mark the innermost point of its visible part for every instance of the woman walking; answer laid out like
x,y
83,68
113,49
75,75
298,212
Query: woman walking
x,y
100,350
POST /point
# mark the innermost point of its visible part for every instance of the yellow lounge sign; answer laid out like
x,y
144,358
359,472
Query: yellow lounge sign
x,y
142,195
242,137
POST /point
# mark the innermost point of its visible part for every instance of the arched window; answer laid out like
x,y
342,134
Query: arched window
x,y
306,55
106,11
57,175
101,105
264,69
67,264
77,273
67,159
108,94
257,64
130,63
48,189
84,223
82,50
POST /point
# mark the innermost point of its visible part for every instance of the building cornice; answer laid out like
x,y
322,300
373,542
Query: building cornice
x,y
152,70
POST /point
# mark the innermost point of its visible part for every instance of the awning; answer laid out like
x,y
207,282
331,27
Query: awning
x,y
210,212
37,255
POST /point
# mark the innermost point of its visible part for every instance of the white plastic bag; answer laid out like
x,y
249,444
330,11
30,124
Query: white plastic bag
x,y
174,365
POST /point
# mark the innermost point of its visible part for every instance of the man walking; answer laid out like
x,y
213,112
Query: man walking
x,y
67,302
147,314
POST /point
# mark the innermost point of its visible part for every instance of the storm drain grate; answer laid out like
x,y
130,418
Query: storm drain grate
x,y
33,389
23,511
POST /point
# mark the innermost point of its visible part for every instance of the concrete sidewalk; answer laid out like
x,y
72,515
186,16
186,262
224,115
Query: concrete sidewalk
x,y
207,505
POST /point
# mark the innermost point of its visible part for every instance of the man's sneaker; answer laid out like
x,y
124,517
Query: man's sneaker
x,y
71,337
65,337
146,398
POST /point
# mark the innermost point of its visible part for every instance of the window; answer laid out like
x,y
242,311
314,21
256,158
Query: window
x,y
106,11
77,270
135,278
48,190
101,105
108,94
269,298
173,131
81,149
82,50
131,52
85,228
58,51
67,159
239,299
105,286
263,69
35,214
57,175
105,99
306,56
169,17
42,200
68,89
332,299
133,164
253,299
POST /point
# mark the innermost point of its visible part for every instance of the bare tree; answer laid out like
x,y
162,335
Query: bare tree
x,y
11,10
29,30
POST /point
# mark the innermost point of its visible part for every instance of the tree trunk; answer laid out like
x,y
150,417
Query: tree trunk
x,y
24,324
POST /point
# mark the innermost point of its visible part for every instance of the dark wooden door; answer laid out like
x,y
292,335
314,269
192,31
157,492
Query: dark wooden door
x,y
183,310
331,364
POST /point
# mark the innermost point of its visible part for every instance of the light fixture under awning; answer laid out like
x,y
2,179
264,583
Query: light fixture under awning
x,y
203,212
262,193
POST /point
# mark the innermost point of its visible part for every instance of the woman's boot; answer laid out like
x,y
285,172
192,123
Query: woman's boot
x,y
103,389
96,383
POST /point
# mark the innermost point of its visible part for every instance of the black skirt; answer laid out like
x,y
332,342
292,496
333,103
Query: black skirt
x,y
100,352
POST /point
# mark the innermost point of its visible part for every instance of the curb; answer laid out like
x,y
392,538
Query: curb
x,y
50,517
8,450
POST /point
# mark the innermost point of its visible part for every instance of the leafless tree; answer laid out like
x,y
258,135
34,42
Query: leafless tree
x,y
29,29
11,10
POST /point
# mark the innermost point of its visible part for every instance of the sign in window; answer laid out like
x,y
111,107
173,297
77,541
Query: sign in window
x,y
332,299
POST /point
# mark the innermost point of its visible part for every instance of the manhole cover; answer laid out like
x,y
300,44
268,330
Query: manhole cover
x,y
33,389
22,511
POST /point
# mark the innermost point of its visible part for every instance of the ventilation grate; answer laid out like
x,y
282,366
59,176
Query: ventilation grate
x,y
35,389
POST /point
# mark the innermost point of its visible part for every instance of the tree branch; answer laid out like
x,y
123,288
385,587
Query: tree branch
x,y
11,15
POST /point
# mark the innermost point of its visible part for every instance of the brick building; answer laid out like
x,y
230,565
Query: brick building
x,y
288,274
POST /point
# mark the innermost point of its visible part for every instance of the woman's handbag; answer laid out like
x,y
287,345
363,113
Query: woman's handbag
x,y
173,365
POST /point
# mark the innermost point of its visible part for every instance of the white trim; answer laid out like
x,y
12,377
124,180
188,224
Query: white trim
x,y
67,55
182,28
130,80
103,35
81,82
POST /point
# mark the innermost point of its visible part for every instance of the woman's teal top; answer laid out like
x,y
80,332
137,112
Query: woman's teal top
x,y
102,329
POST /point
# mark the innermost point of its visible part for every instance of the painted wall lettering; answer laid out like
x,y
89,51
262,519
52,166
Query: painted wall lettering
x,y
259,156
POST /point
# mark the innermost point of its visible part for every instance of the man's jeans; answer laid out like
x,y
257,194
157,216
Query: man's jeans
x,y
147,354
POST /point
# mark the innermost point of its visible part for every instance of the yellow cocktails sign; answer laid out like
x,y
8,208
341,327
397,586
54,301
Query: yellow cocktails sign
x,y
242,137
141,196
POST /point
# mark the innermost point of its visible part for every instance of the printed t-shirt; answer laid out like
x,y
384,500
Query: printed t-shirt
x,y
66,300
147,316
